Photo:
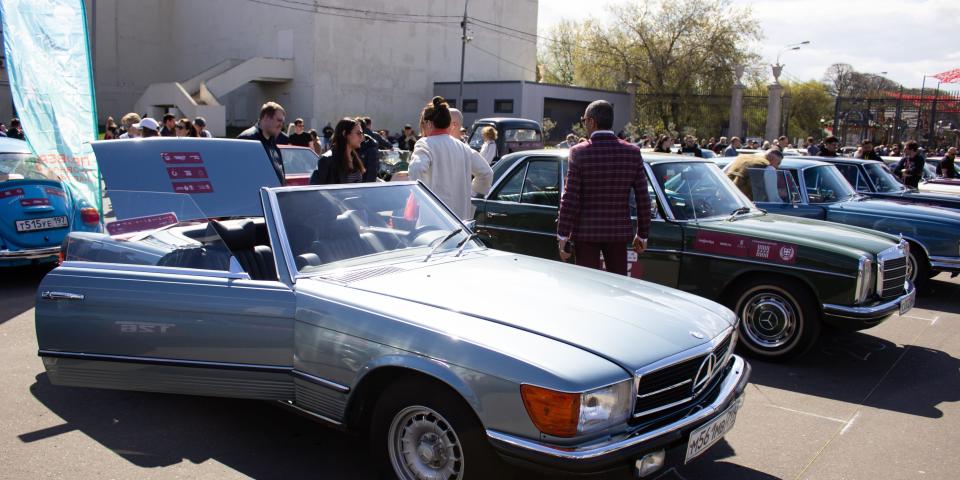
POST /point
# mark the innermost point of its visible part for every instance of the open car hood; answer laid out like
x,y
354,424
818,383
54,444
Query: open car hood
x,y
222,176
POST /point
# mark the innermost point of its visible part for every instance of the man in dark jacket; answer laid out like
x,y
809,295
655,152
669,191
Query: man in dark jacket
x,y
829,147
169,125
910,168
299,138
947,166
370,149
595,208
690,147
408,138
867,152
266,131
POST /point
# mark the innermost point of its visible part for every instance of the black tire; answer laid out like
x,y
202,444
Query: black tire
x,y
779,318
427,407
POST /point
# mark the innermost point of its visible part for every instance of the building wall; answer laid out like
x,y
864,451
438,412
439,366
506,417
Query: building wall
x,y
343,66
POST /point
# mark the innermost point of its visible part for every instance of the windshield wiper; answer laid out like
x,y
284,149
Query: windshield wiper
x,y
450,235
463,243
740,211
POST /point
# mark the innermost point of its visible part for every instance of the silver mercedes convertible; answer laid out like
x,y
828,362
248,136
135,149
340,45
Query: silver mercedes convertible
x,y
373,308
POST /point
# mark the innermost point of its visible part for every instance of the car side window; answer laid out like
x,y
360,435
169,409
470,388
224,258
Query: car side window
x,y
509,190
853,175
542,183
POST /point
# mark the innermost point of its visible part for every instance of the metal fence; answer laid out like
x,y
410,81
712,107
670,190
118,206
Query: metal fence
x,y
931,117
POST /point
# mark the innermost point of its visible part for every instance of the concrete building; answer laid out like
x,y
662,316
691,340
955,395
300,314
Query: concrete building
x,y
226,57
535,101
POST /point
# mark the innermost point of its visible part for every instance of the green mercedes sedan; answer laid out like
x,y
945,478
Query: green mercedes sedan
x,y
784,277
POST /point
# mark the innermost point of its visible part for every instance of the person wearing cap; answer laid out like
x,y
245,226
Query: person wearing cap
x,y
769,161
148,127
200,124
299,137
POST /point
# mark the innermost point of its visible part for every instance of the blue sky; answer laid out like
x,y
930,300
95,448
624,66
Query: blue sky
x,y
907,38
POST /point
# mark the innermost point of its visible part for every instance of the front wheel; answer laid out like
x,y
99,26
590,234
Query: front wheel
x,y
423,431
778,318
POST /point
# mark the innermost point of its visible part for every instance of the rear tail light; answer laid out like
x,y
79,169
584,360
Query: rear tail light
x,y
90,215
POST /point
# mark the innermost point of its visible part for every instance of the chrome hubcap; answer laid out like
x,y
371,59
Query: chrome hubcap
x,y
423,446
770,321
912,269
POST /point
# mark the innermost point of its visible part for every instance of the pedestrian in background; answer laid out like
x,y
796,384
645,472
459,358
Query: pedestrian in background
x,y
382,142
369,150
110,130
315,142
829,147
664,144
947,167
184,128
200,125
570,141
456,125
128,125
148,127
910,168
867,152
595,207
342,164
739,172
489,149
267,131
408,138
690,147
169,125
326,139
15,130
445,164
732,150
298,137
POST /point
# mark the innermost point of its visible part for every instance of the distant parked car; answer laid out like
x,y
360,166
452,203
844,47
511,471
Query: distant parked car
x,y
873,179
513,135
298,164
36,211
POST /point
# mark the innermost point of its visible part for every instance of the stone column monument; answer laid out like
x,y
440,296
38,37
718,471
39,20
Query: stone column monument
x,y
736,104
774,105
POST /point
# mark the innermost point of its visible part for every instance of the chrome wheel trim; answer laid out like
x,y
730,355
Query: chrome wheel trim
x,y
423,446
769,319
912,268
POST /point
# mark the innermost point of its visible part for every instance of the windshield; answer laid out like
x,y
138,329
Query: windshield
x,y
698,190
18,166
330,228
882,178
169,231
826,184
522,135
298,160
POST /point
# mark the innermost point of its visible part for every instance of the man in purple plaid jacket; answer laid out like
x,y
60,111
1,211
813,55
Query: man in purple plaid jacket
x,y
595,208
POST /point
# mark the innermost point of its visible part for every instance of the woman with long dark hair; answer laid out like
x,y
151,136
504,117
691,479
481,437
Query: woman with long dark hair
x,y
342,163
445,164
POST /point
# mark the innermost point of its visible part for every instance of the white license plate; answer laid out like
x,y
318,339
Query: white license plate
x,y
41,223
704,437
907,303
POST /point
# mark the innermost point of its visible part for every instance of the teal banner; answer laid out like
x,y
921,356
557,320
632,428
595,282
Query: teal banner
x,y
48,62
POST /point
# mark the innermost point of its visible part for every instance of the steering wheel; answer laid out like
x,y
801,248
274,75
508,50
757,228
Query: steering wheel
x,y
418,232
703,207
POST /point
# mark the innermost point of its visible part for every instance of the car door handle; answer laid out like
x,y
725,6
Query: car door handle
x,y
61,296
495,214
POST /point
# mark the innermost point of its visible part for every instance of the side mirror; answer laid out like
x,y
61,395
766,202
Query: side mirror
x,y
471,225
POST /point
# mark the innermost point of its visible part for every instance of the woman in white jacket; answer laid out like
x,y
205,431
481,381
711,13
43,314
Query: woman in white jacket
x,y
445,165
489,149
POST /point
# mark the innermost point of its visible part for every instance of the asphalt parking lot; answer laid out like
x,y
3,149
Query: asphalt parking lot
x,y
877,404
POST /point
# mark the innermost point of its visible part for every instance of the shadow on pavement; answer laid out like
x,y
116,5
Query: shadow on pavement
x,y
18,287
712,466
152,430
848,366
944,295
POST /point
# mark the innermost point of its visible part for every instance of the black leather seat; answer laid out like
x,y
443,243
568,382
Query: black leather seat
x,y
256,260
341,239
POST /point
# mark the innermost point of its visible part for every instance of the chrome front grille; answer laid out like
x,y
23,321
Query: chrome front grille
x,y
892,272
667,389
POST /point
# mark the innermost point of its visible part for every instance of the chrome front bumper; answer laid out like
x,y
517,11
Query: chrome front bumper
x,y
626,447
29,254
871,313
946,264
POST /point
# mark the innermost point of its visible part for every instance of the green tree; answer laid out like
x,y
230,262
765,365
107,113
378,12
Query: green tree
x,y
808,102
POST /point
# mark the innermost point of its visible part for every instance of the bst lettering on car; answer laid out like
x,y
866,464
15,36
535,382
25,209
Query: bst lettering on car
x,y
144,327
745,247
179,173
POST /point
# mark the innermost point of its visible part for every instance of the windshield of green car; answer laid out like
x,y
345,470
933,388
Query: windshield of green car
x,y
331,228
825,184
698,190
882,178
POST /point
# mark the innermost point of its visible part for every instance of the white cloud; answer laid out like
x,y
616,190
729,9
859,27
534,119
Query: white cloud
x,y
906,38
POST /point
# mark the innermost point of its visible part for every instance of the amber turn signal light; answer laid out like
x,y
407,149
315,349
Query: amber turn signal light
x,y
554,413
